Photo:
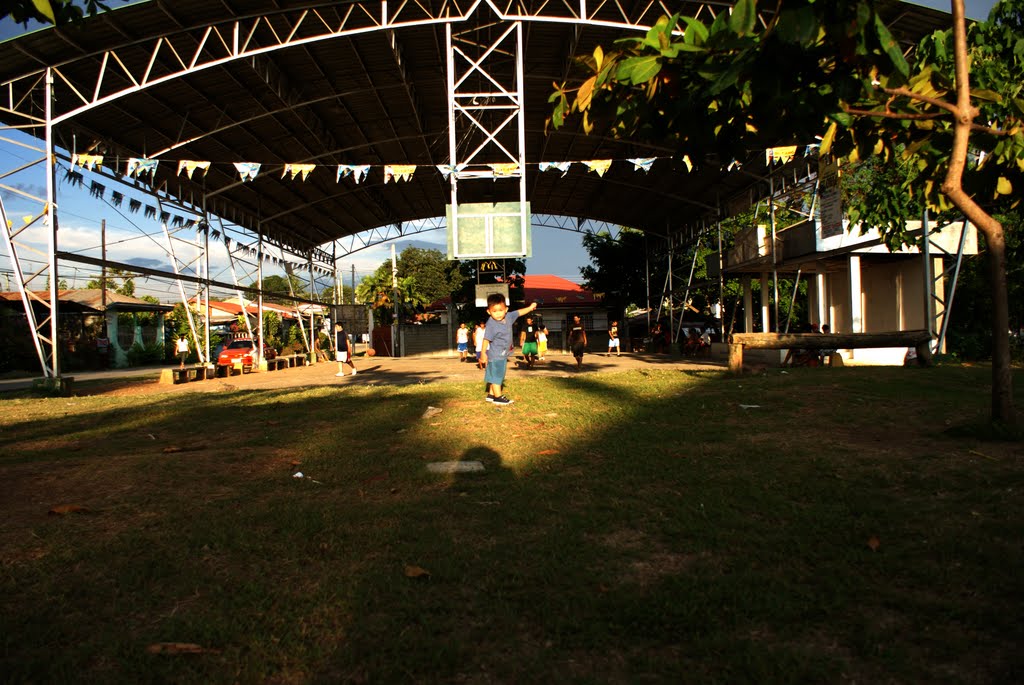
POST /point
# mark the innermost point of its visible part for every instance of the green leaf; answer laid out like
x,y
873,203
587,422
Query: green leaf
x,y
1003,186
585,93
986,95
46,9
744,14
830,135
891,47
637,70
797,27
696,32
721,23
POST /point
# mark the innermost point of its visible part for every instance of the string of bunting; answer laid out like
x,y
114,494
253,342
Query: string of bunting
x,y
248,171
98,190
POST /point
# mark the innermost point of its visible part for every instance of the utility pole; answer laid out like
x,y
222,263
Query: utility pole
x,y
103,268
394,301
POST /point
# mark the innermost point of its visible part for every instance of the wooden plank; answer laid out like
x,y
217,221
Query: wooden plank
x,y
831,341
735,358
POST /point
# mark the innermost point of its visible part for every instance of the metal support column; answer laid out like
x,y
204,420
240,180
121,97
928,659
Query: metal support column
x,y
486,115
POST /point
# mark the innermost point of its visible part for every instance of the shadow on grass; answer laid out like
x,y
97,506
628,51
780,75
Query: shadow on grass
x,y
651,525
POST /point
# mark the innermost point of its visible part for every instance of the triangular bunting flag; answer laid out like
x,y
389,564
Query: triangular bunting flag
x,y
87,161
399,172
247,170
356,171
598,166
296,169
189,166
505,169
448,169
779,154
141,165
642,163
687,162
557,166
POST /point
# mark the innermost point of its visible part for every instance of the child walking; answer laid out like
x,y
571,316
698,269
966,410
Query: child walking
x,y
497,344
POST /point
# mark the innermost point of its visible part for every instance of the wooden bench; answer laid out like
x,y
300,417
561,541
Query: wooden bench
x,y
919,340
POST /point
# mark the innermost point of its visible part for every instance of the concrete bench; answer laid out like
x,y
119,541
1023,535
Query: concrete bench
x,y
293,359
279,362
194,372
919,340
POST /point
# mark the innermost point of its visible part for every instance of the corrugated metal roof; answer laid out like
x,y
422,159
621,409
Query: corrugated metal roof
x,y
348,100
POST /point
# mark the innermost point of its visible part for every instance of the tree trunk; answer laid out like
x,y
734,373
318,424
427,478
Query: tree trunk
x,y
1002,380
1002,376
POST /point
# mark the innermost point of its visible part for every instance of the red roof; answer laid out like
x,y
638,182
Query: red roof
x,y
552,291
235,309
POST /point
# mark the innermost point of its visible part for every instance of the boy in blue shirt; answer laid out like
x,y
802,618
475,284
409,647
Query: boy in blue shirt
x,y
498,344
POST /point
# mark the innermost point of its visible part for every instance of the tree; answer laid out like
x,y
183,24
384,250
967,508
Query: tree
x,y
278,285
327,294
49,11
623,269
433,276
423,276
717,91
126,287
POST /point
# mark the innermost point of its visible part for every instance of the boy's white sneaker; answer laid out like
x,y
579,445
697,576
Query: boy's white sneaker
x,y
354,372
340,373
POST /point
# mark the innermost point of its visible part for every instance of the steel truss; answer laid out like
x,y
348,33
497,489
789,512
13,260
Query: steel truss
x,y
486,119
383,234
44,98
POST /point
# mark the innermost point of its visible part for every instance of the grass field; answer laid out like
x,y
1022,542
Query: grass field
x,y
820,525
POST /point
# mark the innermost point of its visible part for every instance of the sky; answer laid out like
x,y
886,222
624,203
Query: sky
x,y
133,238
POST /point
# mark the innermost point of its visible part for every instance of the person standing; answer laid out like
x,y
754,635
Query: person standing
x,y
497,344
462,341
103,348
342,350
181,349
577,340
613,339
528,341
542,342
478,343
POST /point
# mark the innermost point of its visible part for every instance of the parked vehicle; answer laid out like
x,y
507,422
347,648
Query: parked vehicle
x,y
242,350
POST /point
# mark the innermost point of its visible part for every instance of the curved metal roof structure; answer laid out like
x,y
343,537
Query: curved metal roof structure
x,y
362,83
451,96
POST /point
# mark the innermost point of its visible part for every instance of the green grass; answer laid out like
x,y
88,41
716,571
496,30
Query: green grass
x,y
630,527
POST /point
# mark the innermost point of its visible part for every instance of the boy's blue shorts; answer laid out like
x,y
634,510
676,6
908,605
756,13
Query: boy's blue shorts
x,y
463,347
495,372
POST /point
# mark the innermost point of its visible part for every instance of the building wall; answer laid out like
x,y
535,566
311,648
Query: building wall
x,y
430,340
882,301
892,299
838,301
